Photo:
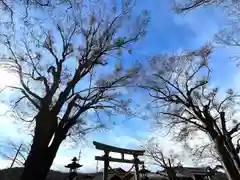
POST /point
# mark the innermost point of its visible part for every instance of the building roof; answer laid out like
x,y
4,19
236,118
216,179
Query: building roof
x,y
117,170
112,173
194,169
181,172
191,171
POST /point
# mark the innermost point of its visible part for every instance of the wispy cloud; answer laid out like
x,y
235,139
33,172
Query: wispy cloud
x,y
167,33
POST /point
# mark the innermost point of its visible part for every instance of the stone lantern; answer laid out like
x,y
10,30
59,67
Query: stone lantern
x,y
73,168
143,171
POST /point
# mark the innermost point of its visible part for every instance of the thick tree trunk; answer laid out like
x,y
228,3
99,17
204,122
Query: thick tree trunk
x,y
171,173
227,161
233,151
40,160
36,165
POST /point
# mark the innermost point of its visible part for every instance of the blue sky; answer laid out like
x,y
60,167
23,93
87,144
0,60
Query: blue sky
x,y
167,32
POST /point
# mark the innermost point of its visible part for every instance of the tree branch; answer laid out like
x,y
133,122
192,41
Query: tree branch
x,y
25,95
234,129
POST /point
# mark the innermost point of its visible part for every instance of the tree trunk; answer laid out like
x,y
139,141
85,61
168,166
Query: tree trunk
x,y
227,161
171,173
40,160
233,151
36,165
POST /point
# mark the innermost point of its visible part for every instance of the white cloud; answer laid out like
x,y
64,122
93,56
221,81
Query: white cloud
x,y
9,79
87,160
9,128
169,147
89,152
5,163
195,19
236,81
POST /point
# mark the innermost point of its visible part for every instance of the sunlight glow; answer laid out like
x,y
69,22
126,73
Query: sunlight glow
x,y
7,79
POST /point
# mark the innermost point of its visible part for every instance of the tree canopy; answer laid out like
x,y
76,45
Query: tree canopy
x,y
59,56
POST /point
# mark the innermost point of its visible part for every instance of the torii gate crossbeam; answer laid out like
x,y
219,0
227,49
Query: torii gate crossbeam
x,y
106,158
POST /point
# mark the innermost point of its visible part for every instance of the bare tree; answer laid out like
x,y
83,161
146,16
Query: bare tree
x,y
12,7
167,163
227,36
16,152
188,5
205,152
60,64
182,100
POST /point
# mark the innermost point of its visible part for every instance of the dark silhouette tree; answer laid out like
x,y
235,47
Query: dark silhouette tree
x,y
189,5
15,152
60,58
229,34
182,99
11,7
166,162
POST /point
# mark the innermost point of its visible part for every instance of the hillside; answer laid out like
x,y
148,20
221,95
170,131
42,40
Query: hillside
x,y
14,174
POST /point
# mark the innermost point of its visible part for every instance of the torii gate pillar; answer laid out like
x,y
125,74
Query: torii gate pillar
x,y
136,164
106,164
106,158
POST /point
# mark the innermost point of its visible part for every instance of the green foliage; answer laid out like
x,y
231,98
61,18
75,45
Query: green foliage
x,y
203,81
120,41
92,19
117,68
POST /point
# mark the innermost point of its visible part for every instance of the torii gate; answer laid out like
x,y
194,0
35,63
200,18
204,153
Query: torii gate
x,y
106,158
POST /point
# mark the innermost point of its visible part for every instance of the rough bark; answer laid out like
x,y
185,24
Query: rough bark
x,y
36,165
187,103
171,173
227,161
39,162
228,140
42,153
233,152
